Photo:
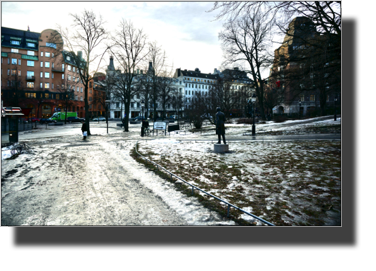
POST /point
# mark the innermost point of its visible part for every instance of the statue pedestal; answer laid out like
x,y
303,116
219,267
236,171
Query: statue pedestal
x,y
220,148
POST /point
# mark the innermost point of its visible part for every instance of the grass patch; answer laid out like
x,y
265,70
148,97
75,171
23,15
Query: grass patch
x,y
284,183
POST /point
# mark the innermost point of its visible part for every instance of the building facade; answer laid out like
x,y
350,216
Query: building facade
x,y
307,70
116,107
37,73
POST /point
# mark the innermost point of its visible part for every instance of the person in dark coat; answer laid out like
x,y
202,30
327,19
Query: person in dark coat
x,y
84,130
220,125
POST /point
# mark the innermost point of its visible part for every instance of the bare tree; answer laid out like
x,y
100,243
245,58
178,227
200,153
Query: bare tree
x,y
130,51
323,47
177,101
196,109
247,39
88,36
326,15
160,78
13,88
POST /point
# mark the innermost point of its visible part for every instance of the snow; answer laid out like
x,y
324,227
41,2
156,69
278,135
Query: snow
x,y
241,176
8,152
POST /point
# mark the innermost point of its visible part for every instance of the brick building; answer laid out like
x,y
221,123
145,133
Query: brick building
x,y
37,73
307,70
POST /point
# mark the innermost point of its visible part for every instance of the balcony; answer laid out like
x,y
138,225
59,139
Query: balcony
x,y
58,70
30,78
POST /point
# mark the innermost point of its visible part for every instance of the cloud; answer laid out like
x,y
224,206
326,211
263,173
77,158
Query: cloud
x,y
191,19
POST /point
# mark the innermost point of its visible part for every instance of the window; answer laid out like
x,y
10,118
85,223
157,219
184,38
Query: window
x,y
53,65
62,76
41,74
74,69
46,75
52,85
29,44
46,64
82,90
15,42
46,85
69,67
69,77
52,75
47,54
74,79
78,89
58,96
30,63
14,61
14,50
41,64
312,98
29,74
50,44
41,85
30,53
41,53
68,58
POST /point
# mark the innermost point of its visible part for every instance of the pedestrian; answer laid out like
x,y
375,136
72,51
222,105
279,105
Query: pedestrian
x,y
220,125
84,130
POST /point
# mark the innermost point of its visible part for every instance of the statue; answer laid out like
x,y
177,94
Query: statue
x,y
220,125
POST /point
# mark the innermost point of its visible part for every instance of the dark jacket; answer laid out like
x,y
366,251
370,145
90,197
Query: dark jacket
x,y
83,128
220,123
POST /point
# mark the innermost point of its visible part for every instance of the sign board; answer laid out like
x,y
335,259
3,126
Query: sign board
x,y
159,126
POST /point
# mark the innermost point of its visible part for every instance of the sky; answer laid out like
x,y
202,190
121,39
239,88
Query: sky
x,y
185,30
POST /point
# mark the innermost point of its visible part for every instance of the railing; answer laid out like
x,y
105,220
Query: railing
x,y
58,69
199,189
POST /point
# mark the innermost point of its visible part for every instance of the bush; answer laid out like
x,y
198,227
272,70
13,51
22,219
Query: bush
x,y
245,121
197,123
280,118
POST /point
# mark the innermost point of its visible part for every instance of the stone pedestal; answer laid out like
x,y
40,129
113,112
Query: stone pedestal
x,y
220,148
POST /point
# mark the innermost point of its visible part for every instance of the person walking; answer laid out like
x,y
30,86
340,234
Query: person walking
x,y
84,130
220,125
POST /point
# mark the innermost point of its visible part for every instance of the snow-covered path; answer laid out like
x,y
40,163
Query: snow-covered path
x,y
70,182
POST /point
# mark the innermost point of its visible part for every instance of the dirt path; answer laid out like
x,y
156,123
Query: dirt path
x,y
69,182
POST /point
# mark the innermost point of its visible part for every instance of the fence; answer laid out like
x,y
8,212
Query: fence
x,y
206,193
22,126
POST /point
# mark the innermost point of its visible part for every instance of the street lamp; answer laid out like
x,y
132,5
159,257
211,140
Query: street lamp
x,y
335,109
107,103
142,118
253,99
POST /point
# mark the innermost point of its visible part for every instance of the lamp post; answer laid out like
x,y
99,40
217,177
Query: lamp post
x,y
335,109
142,118
107,103
300,104
253,99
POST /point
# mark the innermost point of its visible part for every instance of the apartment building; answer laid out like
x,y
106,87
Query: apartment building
x,y
307,69
37,73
